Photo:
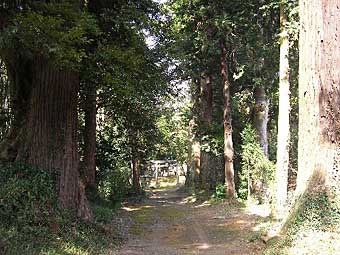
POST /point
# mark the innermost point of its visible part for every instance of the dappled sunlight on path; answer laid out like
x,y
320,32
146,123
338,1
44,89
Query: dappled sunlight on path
x,y
170,223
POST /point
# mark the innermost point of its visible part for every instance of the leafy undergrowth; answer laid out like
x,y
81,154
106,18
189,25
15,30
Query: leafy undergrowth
x,y
209,197
313,226
32,223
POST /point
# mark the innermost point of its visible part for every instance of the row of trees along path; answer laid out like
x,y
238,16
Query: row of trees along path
x,y
89,93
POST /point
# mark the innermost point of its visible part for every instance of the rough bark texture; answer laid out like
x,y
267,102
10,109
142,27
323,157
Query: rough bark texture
x,y
214,166
136,176
194,161
89,167
189,179
48,129
206,109
283,121
196,164
261,117
44,129
133,137
51,141
319,91
228,141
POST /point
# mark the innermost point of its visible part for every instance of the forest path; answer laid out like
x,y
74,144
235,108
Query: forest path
x,y
169,223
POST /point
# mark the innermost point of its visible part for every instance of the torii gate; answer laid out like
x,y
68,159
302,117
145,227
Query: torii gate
x,y
156,168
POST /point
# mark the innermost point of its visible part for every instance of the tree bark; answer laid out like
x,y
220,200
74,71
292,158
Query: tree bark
x,y
261,118
50,140
228,141
206,120
193,174
319,92
189,178
44,129
134,160
283,121
90,136
196,164
136,175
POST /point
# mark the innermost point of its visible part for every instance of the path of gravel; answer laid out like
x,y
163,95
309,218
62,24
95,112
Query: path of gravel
x,y
168,224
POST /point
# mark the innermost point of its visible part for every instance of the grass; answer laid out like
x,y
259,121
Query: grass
x,y
31,222
170,214
164,183
141,219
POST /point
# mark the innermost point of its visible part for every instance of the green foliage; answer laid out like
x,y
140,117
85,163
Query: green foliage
x,y
27,196
212,139
32,223
219,194
315,214
292,11
102,208
320,211
173,127
57,31
113,162
256,168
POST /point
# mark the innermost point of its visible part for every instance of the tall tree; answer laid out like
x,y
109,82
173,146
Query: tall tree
x,y
47,91
206,108
135,160
282,163
261,117
5,112
228,139
89,81
319,91
51,142
90,106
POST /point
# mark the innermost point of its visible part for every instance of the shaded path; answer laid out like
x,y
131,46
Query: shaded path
x,y
168,224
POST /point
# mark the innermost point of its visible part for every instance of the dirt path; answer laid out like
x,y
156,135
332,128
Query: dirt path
x,y
168,224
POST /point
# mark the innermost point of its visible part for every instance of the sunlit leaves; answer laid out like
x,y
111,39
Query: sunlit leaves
x,y
56,31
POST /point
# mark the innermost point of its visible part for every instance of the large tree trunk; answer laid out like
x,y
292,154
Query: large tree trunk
x,y
136,175
319,92
133,140
44,128
228,141
189,178
50,140
89,167
206,120
261,118
283,121
194,161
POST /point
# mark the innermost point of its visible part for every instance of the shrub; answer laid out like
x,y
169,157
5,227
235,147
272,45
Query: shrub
x,y
32,223
219,193
27,196
256,169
